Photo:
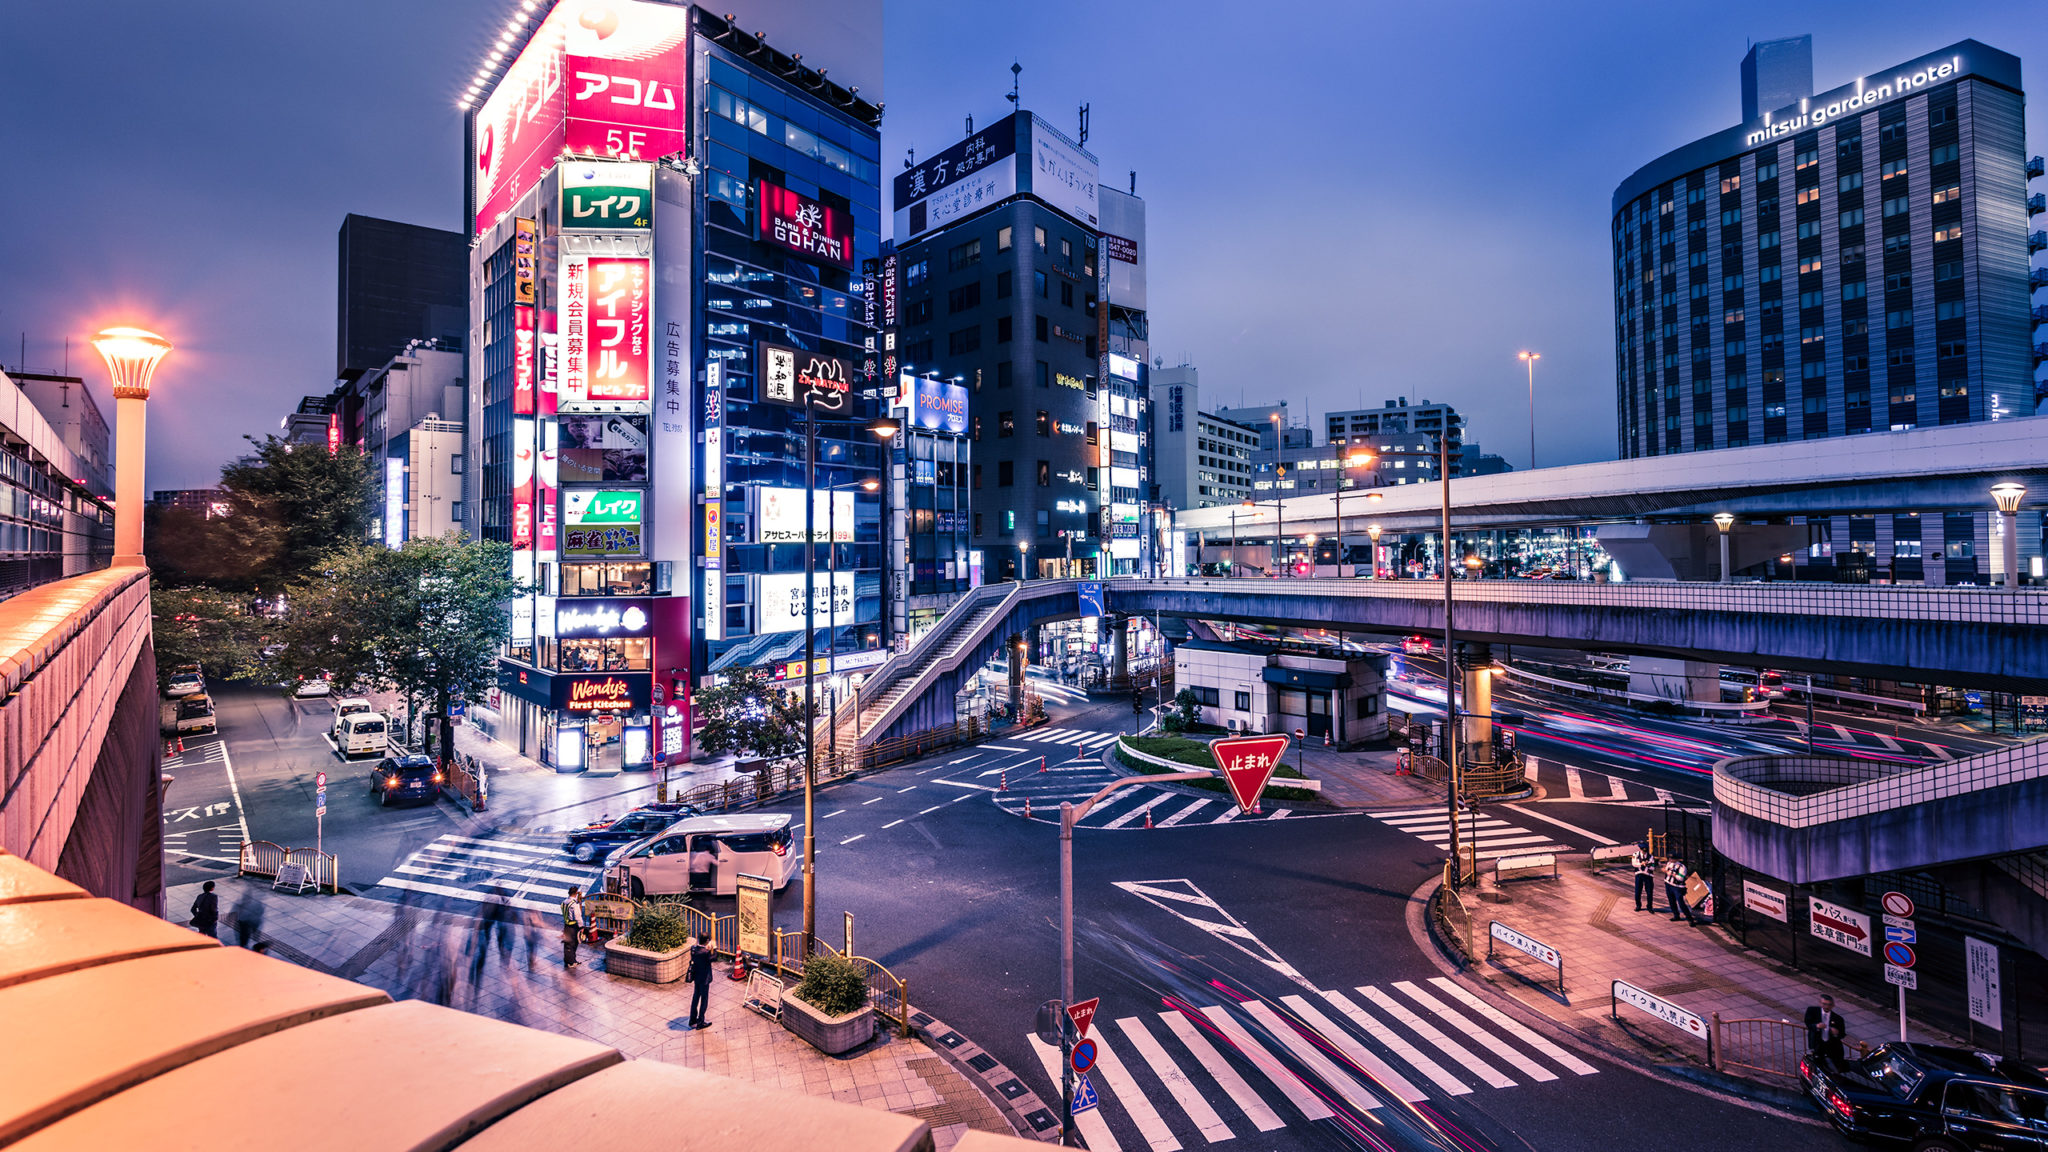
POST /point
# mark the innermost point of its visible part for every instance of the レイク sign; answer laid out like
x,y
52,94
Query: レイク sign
x,y
804,226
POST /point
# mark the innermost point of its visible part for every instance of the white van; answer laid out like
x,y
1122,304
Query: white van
x,y
343,709
362,734
707,854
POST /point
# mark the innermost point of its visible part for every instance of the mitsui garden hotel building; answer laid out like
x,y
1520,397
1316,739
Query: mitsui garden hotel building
x,y
663,203
1850,263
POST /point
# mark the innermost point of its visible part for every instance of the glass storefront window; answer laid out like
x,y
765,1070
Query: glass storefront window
x,y
600,655
607,579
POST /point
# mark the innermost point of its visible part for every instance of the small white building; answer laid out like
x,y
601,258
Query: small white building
x,y
1248,688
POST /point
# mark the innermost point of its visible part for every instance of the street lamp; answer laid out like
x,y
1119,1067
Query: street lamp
x,y
132,355
1530,358
1724,522
1023,560
1309,541
1374,530
2008,496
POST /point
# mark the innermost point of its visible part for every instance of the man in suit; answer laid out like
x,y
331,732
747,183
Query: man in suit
x,y
1820,1019
206,912
702,955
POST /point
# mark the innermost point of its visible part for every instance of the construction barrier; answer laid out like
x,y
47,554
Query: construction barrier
x,y
262,858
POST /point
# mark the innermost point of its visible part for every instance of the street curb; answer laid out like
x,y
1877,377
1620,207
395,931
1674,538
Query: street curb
x,y
1020,1105
1705,1082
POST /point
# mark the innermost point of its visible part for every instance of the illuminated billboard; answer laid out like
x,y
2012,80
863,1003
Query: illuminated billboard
x,y
607,310
600,78
814,231
523,451
522,360
805,379
602,522
938,405
779,516
779,604
607,194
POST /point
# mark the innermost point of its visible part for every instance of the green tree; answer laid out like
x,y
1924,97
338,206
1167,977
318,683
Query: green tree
x,y
310,499
219,631
750,713
226,551
427,619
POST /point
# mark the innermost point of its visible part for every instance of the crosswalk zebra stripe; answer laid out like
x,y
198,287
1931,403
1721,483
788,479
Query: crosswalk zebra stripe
x,y
1575,783
1178,1085
1464,1024
1362,1056
1277,813
1229,814
1334,1078
1183,814
1093,1127
466,894
1262,1117
1140,810
1290,1086
485,855
1520,850
1443,1043
1520,839
1135,1103
1514,1028
1415,1057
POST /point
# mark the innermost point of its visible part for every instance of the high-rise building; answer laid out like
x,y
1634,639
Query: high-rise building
x,y
667,276
1402,438
1848,262
395,283
1201,459
1019,278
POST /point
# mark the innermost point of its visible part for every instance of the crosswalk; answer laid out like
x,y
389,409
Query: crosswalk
x,y
524,870
1071,738
1491,836
1072,781
1194,1076
1563,782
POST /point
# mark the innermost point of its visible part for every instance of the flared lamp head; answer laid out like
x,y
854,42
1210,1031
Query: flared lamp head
x,y
131,355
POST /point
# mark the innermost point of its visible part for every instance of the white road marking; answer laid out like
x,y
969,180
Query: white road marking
x,y
1183,814
466,894
891,824
830,815
1514,1028
1533,814
1240,1093
1335,1079
1415,1057
1140,810
1277,813
1359,1053
851,839
1093,1127
1135,1103
865,803
1443,1043
1574,783
964,784
1177,897
1464,1024
932,809
1281,1077
1002,748
1178,1085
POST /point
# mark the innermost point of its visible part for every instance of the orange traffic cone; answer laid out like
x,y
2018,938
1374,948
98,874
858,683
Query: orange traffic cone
x,y
1005,782
1148,818
1027,807
739,967
1041,763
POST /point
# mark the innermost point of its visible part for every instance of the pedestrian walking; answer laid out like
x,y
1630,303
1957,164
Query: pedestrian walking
x,y
1674,890
248,918
1822,1018
574,920
1646,879
496,921
206,912
701,958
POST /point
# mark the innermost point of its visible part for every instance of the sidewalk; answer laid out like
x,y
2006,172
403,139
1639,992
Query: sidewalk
x,y
1364,778
1590,920
415,954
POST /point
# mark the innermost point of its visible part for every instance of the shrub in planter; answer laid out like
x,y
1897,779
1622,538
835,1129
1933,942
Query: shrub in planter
x,y
656,948
829,1008
658,927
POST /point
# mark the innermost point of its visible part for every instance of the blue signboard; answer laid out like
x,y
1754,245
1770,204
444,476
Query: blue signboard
x,y
938,405
1091,598
1084,1096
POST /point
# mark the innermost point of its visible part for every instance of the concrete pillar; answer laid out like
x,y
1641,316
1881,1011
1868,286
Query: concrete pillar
x,y
1020,651
1119,649
1475,699
130,415
1661,676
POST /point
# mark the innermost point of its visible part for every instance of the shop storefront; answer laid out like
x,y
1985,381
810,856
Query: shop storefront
x,y
575,722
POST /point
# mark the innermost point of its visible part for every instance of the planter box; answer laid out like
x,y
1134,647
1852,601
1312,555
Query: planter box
x,y
621,959
832,1035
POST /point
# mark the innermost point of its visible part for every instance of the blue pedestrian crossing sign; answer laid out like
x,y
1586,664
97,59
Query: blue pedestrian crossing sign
x,y
1084,1096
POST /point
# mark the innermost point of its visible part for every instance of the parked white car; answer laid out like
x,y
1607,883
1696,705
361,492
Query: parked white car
x,y
707,854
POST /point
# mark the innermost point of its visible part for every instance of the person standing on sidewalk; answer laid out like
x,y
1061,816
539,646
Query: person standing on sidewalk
x,y
1821,1019
1674,890
573,921
1646,883
206,912
702,955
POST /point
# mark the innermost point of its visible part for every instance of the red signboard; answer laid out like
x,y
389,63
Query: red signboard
x,y
333,433
523,468
1247,763
1083,1014
806,227
545,480
600,694
522,360
599,78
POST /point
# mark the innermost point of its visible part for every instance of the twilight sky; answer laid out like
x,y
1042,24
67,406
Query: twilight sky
x,y
1347,201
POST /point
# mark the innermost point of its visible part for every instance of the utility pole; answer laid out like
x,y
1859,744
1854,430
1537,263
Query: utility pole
x,y
1452,735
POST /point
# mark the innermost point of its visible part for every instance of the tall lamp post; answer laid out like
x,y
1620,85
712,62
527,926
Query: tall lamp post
x,y
1374,530
2008,496
132,355
1023,561
1724,522
1530,358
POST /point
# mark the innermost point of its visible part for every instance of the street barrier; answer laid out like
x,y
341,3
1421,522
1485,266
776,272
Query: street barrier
x,y
262,858
1527,945
1772,1047
1537,862
466,781
1608,852
1690,1023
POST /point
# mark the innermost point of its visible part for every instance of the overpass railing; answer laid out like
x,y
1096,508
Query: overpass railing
x,y
1711,710
2020,607
1809,791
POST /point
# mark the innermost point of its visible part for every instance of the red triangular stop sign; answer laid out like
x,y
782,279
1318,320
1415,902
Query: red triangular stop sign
x,y
1083,1014
1247,763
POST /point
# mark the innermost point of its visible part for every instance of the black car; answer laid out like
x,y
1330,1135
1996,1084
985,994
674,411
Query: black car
x,y
587,844
405,779
1933,1099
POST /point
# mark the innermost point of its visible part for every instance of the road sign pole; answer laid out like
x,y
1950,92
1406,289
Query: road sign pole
x,y
1067,818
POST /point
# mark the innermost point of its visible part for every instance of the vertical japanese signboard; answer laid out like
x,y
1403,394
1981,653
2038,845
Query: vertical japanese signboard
x,y
546,481
621,329
523,468
525,239
523,380
574,341
713,419
1987,1006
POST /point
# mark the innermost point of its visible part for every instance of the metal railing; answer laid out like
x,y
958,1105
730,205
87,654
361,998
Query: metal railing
x,y
1475,782
1769,1047
1453,919
263,858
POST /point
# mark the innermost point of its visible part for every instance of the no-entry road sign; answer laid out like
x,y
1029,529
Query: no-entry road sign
x,y
1247,763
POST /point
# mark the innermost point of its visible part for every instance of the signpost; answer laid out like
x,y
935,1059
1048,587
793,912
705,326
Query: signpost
x,y
1084,1096
1980,958
1247,763
1839,925
1624,992
319,810
1763,901
1529,945
1899,937
1083,1058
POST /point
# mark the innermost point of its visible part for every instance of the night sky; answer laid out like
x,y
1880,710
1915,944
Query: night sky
x,y
1348,202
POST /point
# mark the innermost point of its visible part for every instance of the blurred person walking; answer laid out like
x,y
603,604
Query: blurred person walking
x,y
574,921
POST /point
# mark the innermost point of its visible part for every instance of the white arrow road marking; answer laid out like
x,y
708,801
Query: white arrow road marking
x,y
1223,925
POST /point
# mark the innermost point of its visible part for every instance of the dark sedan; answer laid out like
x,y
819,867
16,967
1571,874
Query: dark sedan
x,y
1933,1098
587,844
405,780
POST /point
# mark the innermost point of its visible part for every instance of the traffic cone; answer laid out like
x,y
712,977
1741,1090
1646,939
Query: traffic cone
x,y
181,745
739,967
1148,818
1041,763
1027,807
1005,781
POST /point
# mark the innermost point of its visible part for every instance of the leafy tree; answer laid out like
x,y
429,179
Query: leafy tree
x,y
312,500
185,546
219,631
427,619
750,713
1186,712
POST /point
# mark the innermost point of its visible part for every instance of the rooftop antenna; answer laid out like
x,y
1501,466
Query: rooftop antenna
x,y
1084,125
1134,181
1016,78
970,124
910,160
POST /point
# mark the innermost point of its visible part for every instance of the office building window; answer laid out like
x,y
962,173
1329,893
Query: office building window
x,y
1038,238
1040,323
964,255
963,341
1003,240
1045,473
1002,329
1004,280
1044,374
1006,473
964,297
1005,373
1006,424
1044,422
